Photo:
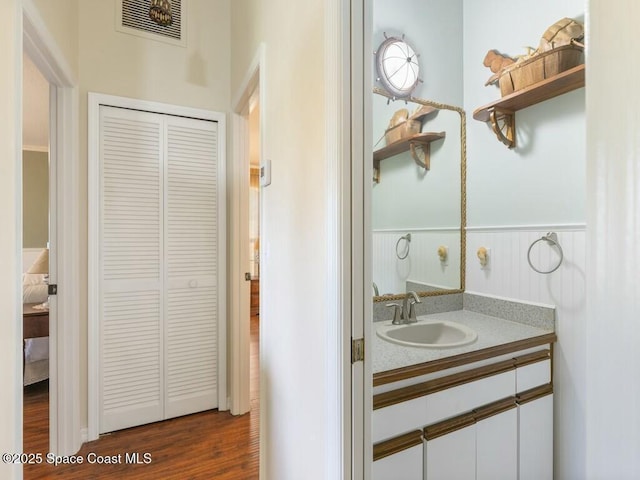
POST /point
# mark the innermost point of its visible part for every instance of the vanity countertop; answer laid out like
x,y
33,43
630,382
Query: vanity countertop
x,y
492,332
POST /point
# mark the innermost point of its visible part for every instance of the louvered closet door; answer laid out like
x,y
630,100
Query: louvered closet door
x,y
132,276
191,253
158,245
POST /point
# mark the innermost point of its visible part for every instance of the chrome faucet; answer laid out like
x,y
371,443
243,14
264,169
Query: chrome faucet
x,y
405,313
408,307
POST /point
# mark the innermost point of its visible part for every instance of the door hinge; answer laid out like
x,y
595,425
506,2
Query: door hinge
x,y
53,289
357,350
247,276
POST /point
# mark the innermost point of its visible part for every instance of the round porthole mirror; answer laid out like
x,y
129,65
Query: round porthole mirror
x,y
397,67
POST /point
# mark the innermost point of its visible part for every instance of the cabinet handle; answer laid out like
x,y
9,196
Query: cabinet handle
x,y
396,444
534,394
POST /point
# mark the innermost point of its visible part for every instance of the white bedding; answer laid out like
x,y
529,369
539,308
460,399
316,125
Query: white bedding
x,y
35,372
36,360
36,349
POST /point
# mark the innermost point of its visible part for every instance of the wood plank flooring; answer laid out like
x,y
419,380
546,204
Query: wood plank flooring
x,y
208,445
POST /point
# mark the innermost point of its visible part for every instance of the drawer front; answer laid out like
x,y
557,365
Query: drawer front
x,y
395,419
463,398
533,375
399,418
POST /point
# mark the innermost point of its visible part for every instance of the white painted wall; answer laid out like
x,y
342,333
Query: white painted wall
x,y
61,19
407,195
35,108
11,238
613,363
539,185
293,280
542,180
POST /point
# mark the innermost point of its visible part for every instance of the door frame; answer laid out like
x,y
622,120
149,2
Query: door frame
x,y
65,434
239,288
347,77
95,100
360,87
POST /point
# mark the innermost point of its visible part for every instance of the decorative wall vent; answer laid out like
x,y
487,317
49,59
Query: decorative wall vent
x,y
133,18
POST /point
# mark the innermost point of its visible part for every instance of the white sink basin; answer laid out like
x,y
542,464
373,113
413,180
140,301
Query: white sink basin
x,y
432,334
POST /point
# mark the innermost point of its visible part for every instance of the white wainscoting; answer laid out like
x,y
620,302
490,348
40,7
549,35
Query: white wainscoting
x,y
422,265
509,275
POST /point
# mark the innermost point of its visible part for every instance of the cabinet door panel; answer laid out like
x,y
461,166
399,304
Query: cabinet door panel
x,y
405,465
534,375
497,447
452,456
536,439
399,418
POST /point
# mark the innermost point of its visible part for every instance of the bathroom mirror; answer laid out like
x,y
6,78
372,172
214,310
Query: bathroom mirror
x,y
418,214
429,205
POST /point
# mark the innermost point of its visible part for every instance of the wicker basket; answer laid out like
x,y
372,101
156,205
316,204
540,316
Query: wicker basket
x,y
539,67
403,130
403,125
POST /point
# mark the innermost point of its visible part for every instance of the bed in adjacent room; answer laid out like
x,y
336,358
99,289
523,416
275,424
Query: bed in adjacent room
x,y
35,320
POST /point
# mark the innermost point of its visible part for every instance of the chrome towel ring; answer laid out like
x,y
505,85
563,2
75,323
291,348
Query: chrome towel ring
x,y
407,239
552,239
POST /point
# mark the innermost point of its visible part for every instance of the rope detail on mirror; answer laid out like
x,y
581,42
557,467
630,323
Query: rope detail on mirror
x,y
463,190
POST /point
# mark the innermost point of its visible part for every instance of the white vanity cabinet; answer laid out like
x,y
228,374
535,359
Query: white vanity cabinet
x,y
481,445
492,421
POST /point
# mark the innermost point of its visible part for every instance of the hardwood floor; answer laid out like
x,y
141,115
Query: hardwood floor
x,y
208,445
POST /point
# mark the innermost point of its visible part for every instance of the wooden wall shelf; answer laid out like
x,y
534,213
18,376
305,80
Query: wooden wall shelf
x,y
501,113
419,144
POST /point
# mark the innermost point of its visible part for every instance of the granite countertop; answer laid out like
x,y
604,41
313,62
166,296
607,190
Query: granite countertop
x,y
492,332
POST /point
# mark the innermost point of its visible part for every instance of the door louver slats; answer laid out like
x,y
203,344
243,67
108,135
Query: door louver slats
x,y
158,257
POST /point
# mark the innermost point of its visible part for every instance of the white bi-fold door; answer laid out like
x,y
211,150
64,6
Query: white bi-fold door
x,y
158,266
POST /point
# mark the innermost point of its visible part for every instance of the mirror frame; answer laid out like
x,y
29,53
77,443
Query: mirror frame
x,y
463,194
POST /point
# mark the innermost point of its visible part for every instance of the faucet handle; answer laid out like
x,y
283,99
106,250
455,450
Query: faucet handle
x,y
397,313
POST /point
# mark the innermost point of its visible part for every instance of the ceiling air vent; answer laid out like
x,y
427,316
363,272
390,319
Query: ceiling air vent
x,y
133,18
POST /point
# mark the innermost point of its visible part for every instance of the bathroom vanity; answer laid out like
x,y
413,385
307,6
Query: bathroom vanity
x,y
479,411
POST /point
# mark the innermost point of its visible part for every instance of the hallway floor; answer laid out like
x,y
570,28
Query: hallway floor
x,y
207,445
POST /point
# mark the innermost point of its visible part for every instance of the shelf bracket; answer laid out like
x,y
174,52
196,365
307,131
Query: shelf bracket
x,y
503,124
376,171
421,154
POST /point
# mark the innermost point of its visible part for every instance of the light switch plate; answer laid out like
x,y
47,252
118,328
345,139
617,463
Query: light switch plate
x,y
265,173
